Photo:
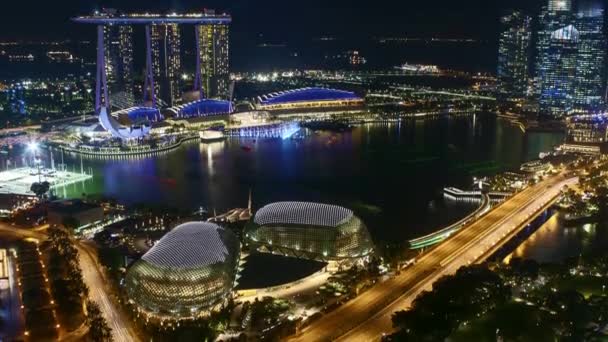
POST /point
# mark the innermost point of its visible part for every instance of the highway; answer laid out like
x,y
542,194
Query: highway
x,y
94,280
368,316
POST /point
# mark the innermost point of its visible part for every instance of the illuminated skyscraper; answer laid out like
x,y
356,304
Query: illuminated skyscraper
x,y
559,78
589,90
167,62
554,75
513,56
119,64
214,64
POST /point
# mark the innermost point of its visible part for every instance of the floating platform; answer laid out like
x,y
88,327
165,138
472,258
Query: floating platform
x,y
18,181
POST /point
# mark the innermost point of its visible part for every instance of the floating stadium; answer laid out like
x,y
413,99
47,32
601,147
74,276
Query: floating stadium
x,y
309,100
190,272
313,231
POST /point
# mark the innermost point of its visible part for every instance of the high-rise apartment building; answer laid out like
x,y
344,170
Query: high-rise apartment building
x,y
513,57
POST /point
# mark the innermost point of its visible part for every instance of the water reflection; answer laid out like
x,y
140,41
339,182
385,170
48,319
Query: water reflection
x,y
388,173
555,241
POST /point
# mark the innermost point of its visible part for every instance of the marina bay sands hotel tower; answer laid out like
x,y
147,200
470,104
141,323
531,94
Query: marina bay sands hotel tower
x,y
164,66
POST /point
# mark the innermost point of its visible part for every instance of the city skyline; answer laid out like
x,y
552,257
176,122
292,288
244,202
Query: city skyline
x,y
332,171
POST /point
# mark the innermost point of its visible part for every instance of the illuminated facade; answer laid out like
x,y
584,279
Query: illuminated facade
x,y
309,98
570,69
554,75
588,129
559,5
167,62
559,79
190,272
310,231
513,56
119,64
213,42
590,85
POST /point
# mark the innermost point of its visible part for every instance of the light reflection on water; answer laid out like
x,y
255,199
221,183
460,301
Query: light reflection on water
x,y
391,174
555,241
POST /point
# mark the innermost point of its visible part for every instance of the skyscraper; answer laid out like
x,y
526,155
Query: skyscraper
x,y
119,64
513,56
559,78
554,74
213,45
167,62
589,90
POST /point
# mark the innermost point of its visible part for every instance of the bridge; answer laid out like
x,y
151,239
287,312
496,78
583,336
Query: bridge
x,y
442,234
368,316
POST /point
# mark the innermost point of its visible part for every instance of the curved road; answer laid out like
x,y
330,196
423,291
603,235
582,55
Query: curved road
x,y
368,316
94,279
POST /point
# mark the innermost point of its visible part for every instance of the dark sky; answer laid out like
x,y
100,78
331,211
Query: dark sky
x,y
280,19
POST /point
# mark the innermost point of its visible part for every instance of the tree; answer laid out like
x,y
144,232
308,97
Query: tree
x,y
71,223
40,188
99,331
454,299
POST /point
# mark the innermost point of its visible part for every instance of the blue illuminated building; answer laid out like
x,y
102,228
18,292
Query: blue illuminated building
x,y
139,114
202,108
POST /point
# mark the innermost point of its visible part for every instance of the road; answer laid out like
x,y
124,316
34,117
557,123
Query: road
x,y
287,291
99,293
368,316
95,281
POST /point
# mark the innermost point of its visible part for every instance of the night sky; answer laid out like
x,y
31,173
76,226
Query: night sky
x,y
281,19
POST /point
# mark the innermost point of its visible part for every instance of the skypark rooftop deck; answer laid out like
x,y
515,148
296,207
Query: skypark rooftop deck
x,y
154,19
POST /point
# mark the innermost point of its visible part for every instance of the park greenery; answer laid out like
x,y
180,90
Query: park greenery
x,y
40,189
99,331
522,301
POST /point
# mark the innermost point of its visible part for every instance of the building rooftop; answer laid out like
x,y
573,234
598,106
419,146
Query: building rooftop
x,y
190,245
205,107
206,17
303,213
307,95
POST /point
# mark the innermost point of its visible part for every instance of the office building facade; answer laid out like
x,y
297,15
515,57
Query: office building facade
x,y
513,57
590,82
